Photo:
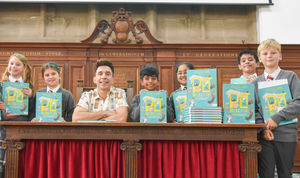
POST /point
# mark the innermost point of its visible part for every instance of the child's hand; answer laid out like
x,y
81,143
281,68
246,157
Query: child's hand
x,y
63,120
33,120
2,106
268,135
27,91
271,124
11,116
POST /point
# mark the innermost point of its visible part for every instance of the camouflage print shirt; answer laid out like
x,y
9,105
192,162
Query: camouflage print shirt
x,y
92,102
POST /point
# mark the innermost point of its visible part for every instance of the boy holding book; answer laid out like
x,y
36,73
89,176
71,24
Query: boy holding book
x,y
278,142
149,81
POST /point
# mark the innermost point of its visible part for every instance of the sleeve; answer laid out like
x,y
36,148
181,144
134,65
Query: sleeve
x,y
258,115
134,113
291,110
84,101
170,111
69,107
121,101
32,106
172,101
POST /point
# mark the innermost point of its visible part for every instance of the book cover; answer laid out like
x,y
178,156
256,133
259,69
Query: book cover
x,y
202,87
238,104
241,80
273,96
48,107
180,103
15,101
153,106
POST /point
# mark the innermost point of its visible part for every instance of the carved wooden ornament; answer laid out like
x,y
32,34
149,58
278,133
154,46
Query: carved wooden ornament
x,y
121,24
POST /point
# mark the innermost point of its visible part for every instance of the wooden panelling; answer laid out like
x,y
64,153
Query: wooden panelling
x,y
166,83
76,73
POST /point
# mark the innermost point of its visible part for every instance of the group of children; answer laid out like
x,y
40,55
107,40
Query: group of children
x,y
278,142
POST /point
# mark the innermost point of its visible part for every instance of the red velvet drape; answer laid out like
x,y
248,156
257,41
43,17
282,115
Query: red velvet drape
x,y
104,159
190,159
71,159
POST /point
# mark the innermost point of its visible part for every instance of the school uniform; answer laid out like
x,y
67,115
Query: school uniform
x,y
19,118
282,149
68,103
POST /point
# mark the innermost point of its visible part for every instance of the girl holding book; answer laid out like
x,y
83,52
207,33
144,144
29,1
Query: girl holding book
x,y
18,71
51,74
181,73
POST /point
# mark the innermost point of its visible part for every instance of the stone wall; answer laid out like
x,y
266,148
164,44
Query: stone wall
x,y
168,23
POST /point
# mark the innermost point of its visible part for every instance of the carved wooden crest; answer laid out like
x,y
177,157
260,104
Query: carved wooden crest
x,y
121,24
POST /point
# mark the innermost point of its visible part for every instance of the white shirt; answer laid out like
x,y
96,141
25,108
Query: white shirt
x,y
273,75
11,79
54,90
182,87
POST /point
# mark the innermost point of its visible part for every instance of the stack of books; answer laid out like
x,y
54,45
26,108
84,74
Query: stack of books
x,y
203,115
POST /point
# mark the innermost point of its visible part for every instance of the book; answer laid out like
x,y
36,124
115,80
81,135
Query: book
x,y
202,114
96,121
241,80
180,103
153,106
274,96
15,101
48,107
238,104
202,87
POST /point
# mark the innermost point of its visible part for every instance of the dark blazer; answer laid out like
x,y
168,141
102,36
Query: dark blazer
x,y
68,103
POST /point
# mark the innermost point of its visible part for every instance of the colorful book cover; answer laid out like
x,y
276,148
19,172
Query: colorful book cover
x,y
180,103
238,104
202,87
153,106
15,101
48,107
274,96
241,80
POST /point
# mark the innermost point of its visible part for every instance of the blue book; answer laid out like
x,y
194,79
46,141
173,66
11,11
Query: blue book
x,y
202,87
274,96
48,107
15,101
238,104
180,103
153,106
241,80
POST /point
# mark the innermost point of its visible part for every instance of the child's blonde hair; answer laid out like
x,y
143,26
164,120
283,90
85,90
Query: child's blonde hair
x,y
26,75
267,44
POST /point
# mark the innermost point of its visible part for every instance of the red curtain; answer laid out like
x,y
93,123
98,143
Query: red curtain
x,y
190,159
71,158
104,159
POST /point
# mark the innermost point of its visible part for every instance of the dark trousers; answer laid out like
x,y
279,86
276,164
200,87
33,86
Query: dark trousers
x,y
279,154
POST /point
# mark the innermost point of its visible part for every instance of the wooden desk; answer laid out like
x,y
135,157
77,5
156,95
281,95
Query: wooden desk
x,y
131,134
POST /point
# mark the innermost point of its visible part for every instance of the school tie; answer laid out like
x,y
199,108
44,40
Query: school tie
x,y
269,77
50,91
17,81
184,88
